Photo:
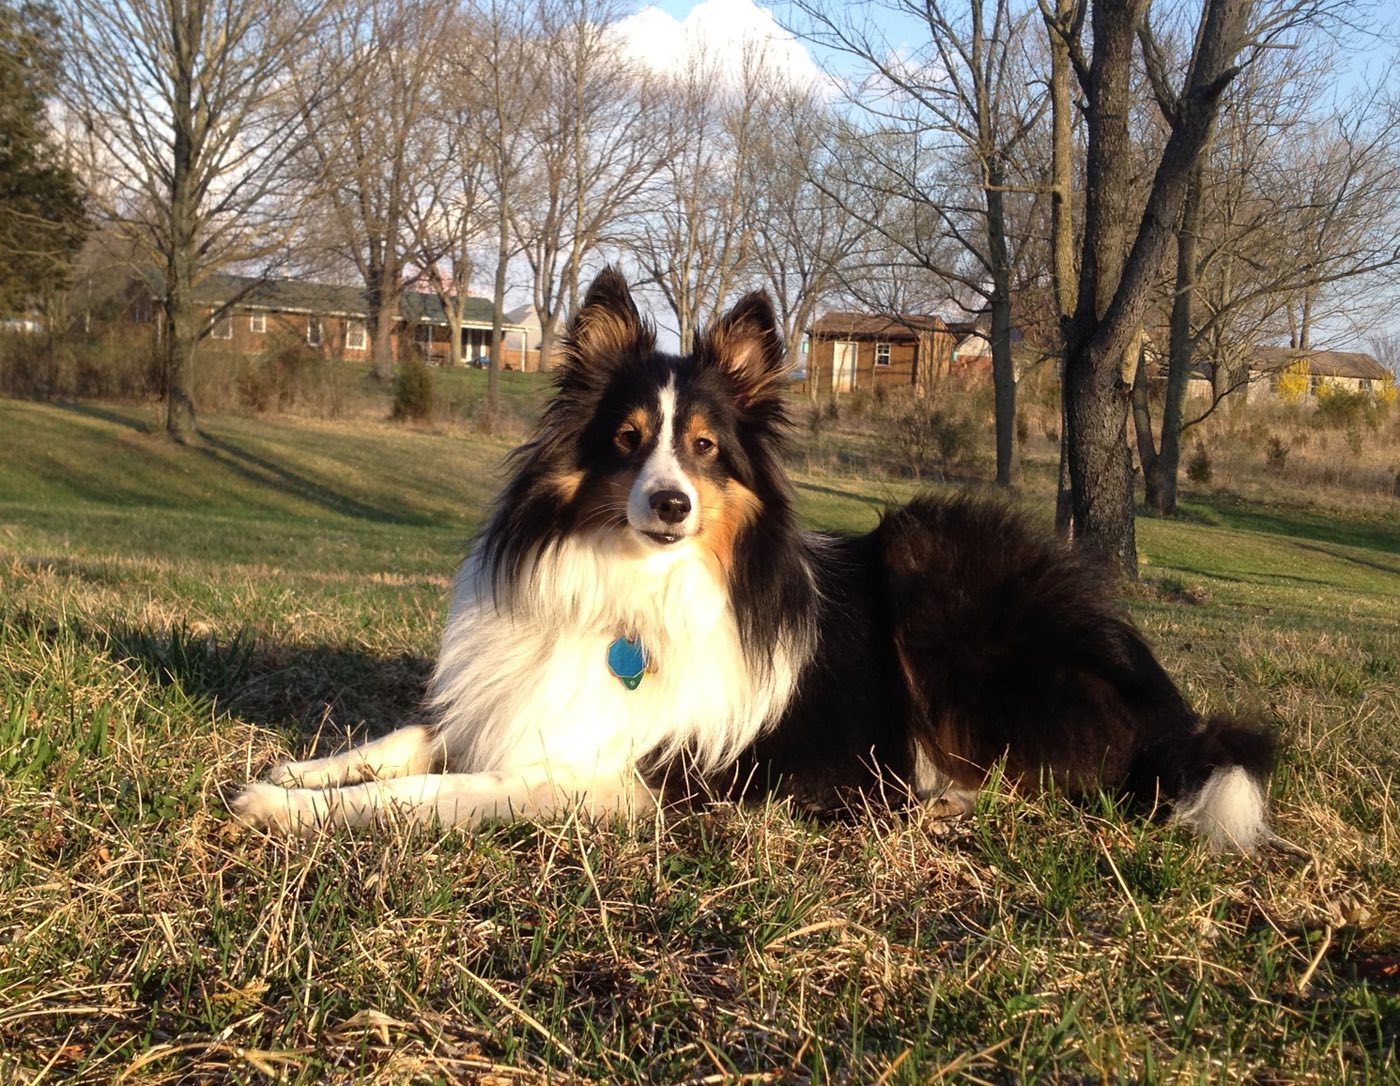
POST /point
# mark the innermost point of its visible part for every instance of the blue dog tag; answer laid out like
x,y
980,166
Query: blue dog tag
x,y
627,659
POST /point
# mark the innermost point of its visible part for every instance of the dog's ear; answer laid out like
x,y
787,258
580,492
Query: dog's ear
x,y
746,344
607,325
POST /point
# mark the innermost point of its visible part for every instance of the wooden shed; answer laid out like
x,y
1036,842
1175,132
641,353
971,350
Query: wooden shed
x,y
847,351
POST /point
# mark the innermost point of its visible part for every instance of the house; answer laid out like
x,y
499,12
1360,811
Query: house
x,y
848,351
260,313
1350,371
1295,373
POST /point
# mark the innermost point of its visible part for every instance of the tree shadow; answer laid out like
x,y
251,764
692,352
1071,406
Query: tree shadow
x,y
301,691
264,472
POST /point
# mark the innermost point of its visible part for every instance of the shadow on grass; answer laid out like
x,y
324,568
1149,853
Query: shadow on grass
x,y
261,471
1301,524
264,472
299,690
122,419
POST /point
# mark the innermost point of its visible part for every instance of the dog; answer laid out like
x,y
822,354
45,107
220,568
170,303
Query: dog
x,y
642,620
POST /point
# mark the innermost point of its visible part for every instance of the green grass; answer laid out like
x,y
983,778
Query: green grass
x,y
174,619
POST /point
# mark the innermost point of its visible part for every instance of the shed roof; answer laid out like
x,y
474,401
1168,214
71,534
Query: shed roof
x,y
866,325
1355,364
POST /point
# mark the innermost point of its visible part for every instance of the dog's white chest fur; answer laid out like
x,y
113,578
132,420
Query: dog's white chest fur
x,y
525,680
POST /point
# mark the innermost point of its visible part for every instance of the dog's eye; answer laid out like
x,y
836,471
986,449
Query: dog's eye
x,y
629,439
703,446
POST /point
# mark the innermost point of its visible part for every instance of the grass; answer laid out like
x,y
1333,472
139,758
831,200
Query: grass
x,y
174,619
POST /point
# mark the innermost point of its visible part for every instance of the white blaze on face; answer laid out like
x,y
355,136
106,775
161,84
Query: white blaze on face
x,y
662,471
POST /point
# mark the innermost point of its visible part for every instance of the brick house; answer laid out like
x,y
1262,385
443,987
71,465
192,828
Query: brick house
x,y
261,314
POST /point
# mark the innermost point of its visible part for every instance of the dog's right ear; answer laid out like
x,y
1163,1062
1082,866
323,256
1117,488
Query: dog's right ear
x,y
607,326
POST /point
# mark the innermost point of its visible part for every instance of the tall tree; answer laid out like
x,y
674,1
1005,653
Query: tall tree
x,y
370,141
599,142
803,237
1295,194
186,106
42,204
695,241
498,56
1122,250
963,105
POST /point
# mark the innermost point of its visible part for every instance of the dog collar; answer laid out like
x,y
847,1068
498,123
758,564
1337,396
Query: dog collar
x,y
629,660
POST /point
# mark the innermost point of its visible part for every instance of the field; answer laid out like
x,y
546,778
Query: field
x,y
173,619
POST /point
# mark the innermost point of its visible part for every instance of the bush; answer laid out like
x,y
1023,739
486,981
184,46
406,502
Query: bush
x,y
1338,409
413,392
70,367
1276,455
1198,468
923,437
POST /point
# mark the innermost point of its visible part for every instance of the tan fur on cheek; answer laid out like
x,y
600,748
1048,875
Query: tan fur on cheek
x,y
566,485
726,509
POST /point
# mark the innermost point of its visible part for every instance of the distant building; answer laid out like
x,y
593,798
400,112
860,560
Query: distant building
x,y
848,351
1351,371
334,320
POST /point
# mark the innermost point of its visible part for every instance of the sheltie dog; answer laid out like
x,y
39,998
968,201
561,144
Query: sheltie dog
x,y
642,618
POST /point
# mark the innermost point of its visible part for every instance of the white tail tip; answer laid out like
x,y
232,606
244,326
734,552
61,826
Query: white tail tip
x,y
1228,811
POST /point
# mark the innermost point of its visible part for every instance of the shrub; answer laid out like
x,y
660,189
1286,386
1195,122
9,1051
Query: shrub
x,y
413,392
1198,468
1386,394
923,437
1339,409
1276,455
1292,382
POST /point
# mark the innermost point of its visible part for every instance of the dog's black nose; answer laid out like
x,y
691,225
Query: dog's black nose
x,y
670,506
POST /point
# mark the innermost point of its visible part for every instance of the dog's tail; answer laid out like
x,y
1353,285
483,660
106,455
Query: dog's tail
x,y
1217,779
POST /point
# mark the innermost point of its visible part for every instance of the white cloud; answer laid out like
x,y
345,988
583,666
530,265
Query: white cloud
x,y
718,30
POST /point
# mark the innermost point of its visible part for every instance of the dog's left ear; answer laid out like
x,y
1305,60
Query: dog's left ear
x,y
746,344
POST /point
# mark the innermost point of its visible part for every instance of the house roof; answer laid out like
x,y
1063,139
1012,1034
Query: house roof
x,y
1355,364
896,326
300,296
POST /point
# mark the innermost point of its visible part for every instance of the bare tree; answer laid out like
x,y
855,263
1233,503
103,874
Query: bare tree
x,y
694,242
599,140
370,144
496,56
962,105
1124,243
803,237
450,220
1293,197
191,133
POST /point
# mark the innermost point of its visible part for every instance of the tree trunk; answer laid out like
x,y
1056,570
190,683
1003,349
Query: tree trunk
x,y
1162,481
382,305
1096,395
1003,366
181,338
498,320
1062,230
1114,290
181,331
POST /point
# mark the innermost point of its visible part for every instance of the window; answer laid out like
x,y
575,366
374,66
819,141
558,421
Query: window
x,y
223,328
313,331
257,323
356,336
882,354
1315,383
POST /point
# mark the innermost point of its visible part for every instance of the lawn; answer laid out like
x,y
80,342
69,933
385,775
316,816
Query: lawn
x,y
174,619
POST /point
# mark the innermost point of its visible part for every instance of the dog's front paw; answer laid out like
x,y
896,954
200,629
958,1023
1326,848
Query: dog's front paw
x,y
286,775
266,806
